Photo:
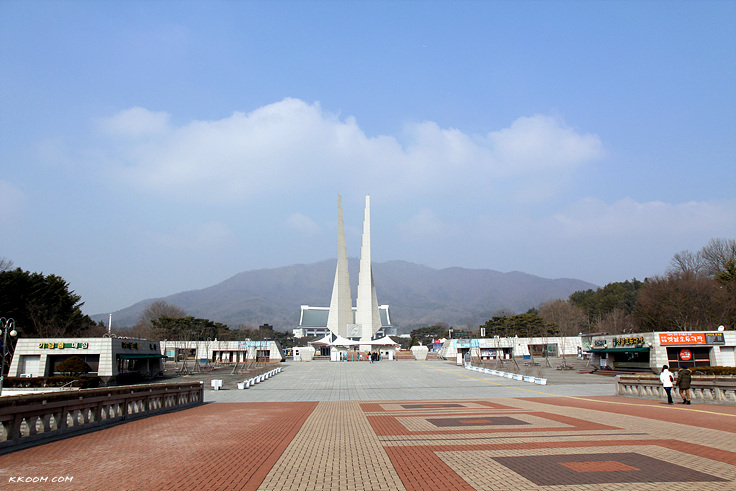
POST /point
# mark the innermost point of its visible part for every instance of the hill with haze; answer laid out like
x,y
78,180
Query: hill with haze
x,y
417,295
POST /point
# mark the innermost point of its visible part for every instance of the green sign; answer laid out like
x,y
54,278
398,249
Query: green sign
x,y
62,345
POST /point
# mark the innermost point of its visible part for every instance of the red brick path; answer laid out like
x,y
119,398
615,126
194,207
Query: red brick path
x,y
601,443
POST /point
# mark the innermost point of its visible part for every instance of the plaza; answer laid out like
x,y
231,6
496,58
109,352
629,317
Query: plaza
x,y
400,425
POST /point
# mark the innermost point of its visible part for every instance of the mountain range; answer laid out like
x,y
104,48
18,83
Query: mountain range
x,y
417,295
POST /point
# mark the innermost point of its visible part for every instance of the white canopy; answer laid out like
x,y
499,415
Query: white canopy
x,y
341,341
384,341
325,341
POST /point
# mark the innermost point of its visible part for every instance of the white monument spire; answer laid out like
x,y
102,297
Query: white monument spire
x,y
341,305
366,315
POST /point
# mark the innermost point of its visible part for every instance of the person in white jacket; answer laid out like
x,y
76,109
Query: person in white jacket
x,y
667,382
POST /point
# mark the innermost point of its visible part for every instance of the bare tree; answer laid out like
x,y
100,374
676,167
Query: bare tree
x,y
688,262
569,319
5,264
618,321
157,309
503,312
684,302
716,254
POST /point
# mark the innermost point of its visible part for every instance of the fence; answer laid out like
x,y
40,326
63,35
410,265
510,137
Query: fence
x,y
37,417
719,390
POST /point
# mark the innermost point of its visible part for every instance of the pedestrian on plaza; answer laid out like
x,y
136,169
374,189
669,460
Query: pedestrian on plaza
x,y
667,382
684,377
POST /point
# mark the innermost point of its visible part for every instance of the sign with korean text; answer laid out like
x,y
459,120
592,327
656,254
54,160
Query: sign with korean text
x,y
630,341
62,345
714,338
686,354
691,338
253,344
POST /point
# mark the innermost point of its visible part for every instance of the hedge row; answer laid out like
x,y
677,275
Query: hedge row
x,y
58,381
713,370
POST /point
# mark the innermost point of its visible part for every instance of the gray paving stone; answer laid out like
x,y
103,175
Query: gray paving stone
x,y
395,380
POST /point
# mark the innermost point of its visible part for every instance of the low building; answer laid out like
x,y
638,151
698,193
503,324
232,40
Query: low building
x,y
108,357
635,351
267,351
652,350
507,347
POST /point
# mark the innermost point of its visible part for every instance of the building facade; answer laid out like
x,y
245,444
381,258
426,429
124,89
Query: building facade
x,y
203,352
652,350
108,357
505,348
629,352
313,322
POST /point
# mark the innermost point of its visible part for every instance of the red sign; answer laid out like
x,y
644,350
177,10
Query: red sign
x,y
681,338
685,354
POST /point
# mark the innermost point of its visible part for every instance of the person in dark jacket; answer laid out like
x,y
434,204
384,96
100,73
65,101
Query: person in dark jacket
x,y
684,377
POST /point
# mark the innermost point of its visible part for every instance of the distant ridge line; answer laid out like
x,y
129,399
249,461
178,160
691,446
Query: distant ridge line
x,y
418,295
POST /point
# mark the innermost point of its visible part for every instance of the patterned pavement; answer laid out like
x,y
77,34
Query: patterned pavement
x,y
536,441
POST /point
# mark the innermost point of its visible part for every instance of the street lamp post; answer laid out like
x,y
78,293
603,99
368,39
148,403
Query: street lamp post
x,y
6,325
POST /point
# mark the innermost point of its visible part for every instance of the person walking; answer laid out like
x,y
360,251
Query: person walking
x,y
667,380
684,377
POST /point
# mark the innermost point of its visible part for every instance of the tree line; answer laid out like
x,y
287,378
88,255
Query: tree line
x,y
42,305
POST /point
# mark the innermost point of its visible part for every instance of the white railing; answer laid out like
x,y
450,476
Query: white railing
x,y
721,390
511,375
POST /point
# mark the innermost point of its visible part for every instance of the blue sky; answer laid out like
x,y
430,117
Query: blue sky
x,y
148,148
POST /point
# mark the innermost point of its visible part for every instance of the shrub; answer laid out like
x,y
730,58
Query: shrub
x,y
129,378
57,381
713,370
74,365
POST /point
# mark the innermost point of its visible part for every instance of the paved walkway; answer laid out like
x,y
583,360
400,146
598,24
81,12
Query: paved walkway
x,y
399,426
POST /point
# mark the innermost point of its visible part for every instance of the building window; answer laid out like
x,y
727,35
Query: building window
x,y
678,357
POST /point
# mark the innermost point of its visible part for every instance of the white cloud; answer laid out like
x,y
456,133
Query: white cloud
x,y
302,224
136,122
206,236
423,225
290,145
589,239
11,202
628,217
599,242
542,144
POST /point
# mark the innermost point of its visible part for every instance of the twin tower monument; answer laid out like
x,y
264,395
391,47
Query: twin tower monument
x,y
365,321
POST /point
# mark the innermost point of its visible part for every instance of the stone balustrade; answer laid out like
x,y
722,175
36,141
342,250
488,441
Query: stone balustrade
x,y
37,417
718,390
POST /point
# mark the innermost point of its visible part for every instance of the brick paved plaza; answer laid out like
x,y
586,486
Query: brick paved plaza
x,y
399,426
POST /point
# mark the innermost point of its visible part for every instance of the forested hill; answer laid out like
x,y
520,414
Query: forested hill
x,y
417,295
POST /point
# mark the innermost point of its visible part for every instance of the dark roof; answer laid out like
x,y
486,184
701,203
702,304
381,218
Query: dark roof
x,y
314,318
317,317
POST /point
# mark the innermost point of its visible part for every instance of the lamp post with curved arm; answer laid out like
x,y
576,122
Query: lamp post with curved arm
x,y
6,325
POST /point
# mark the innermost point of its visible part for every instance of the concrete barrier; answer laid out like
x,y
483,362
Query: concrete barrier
x,y
709,389
30,418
